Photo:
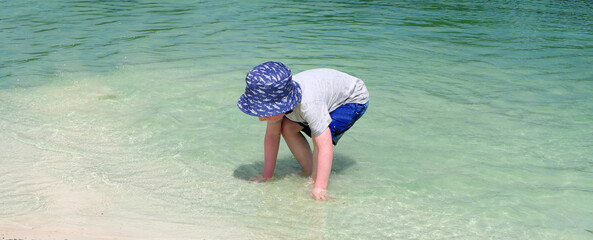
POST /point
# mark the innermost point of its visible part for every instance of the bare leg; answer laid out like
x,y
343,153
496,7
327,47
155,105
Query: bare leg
x,y
298,145
315,162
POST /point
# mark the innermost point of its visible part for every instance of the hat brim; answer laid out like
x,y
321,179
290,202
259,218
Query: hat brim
x,y
267,109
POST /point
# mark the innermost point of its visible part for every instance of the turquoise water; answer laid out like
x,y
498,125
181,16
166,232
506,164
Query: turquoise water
x,y
118,119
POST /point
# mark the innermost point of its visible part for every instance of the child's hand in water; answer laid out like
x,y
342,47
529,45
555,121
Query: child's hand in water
x,y
321,195
258,179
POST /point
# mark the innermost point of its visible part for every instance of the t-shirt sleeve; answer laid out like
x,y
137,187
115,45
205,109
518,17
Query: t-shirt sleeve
x,y
317,117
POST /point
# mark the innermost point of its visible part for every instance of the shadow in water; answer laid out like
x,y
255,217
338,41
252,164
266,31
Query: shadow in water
x,y
289,165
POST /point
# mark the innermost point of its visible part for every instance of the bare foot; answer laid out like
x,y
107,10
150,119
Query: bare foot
x,y
301,174
310,182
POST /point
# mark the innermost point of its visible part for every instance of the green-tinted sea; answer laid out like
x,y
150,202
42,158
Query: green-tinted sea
x,y
118,119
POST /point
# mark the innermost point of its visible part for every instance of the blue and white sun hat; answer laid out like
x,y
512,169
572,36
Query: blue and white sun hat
x,y
270,91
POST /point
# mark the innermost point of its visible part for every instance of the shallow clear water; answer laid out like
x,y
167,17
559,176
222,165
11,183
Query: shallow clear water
x,y
119,119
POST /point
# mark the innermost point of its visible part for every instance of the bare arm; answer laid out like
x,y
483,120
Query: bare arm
x,y
325,151
271,145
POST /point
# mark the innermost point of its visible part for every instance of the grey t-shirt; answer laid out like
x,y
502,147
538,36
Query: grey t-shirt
x,y
324,90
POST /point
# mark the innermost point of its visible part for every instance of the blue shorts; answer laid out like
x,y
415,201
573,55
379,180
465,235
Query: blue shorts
x,y
342,119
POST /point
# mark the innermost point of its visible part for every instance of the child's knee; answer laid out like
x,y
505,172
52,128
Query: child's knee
x,y
290,127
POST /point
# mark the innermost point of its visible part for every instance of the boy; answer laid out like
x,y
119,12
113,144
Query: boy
x,y
322,103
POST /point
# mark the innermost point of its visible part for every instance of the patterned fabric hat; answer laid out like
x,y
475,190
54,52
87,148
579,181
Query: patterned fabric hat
x,y
270,91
